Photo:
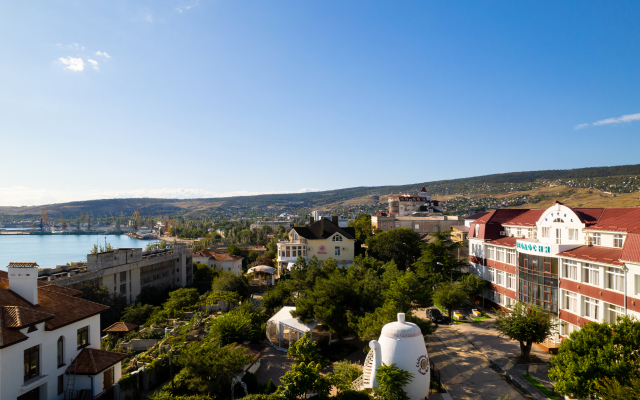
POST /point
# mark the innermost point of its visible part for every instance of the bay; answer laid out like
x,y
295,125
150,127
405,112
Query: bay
x,y
51,250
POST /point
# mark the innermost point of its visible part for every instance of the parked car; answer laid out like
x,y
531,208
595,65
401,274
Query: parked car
x,y
436,316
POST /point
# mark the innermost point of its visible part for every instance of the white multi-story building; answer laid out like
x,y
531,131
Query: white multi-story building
x,y
50,340
581,265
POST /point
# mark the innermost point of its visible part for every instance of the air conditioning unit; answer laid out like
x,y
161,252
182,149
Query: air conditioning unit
x,y
344,248
502,233
309,248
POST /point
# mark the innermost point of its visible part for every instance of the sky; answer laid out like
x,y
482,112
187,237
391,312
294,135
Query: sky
x,y
199,98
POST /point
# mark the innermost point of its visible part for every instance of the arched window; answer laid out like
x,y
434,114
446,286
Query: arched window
x,y
558,220
337,238
60,351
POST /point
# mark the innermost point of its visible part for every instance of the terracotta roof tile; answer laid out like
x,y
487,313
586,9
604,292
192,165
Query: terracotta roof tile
x,y
21,317
22,264
94,361
631,248
625,219
121,327
604,255
217,255
61,289
505,241
526,219
477,215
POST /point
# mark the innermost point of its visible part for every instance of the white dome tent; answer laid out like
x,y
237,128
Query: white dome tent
x,y
284,329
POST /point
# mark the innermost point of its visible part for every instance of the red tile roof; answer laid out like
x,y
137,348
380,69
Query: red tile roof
x,y
121,327
22,264
216,255
631,248
618,219
605,255
94,361
528,218
61,289
505,241
491,224
55,308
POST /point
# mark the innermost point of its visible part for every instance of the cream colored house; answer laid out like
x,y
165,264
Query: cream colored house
x,y
323,239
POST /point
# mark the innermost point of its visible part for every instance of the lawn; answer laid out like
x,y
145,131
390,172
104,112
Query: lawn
x,y
473,320
541,387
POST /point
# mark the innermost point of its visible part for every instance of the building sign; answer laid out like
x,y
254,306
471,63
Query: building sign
x,y
322,250
533,247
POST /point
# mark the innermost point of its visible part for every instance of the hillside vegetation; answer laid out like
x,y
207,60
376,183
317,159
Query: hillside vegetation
x,y
584,187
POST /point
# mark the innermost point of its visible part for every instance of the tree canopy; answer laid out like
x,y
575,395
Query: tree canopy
x,y
526,324
402,245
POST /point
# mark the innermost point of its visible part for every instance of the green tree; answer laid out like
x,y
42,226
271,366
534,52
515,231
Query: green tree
x,y
227,281
101,295
203,276
154,295
304,350
302,379
344,373
246,323
401,245
450,295
362,224
527,325
612,389
264,259
440,256
391,382
472,284
598,359
138,314
181,300
208,369
369,326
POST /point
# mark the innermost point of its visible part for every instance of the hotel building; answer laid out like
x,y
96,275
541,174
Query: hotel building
x,y
580,264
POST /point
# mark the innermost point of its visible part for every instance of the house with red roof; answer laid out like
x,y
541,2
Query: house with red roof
x,y
50,340
580,264
219,260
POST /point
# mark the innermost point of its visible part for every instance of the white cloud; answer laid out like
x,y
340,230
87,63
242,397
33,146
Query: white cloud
x,y
72,46
103,54
20,195
72,64
188,7
94,63
149,18
619,120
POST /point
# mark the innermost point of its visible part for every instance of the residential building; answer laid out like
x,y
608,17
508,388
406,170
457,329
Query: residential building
x,y
469,219
323,239
219,260
50,340
580,264
404,205
421,224
127,271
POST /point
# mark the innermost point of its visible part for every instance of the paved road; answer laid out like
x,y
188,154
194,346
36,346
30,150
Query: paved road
x,y
464,371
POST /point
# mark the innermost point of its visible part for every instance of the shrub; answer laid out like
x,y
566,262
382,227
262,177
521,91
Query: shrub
x,y
344,373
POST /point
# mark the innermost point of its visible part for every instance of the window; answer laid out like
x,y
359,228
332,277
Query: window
x,y
490,275
477,229
614,279
594,239
123,276
590,274
511,281
500,278
287,251
573,234
31,362
337,238
591,308
558,220
511,257
416,227
617,240
337,250
123,288
491,253
570,301
570,269
83,337
107,380
60,384
528,233
500,255
295,236
567,329
518,232
60,351
545,231
558,236
613,312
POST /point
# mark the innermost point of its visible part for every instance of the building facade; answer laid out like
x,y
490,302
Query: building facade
x,y
580,265
127,271
420,224
404,205
323,239
219,261
50,342
272,224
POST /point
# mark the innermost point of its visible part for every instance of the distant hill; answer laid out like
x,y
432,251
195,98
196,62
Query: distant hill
x,y
617,179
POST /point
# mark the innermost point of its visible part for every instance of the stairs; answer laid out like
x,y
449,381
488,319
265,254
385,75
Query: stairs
x,y
364,380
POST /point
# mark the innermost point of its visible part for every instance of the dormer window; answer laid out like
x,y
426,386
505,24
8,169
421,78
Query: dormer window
x,y
337,238
594,239
618,240
295,236
558,220
32,328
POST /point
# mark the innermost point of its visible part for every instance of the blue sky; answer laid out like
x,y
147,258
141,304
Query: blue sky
x,y
203,98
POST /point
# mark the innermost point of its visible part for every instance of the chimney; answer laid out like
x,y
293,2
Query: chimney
x,y
334,219
23,280
321,225
311,220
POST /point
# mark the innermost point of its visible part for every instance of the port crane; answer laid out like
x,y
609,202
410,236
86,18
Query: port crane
x,y
63,225
44,220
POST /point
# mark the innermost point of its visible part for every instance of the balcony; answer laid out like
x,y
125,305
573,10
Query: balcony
x,y
286,242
